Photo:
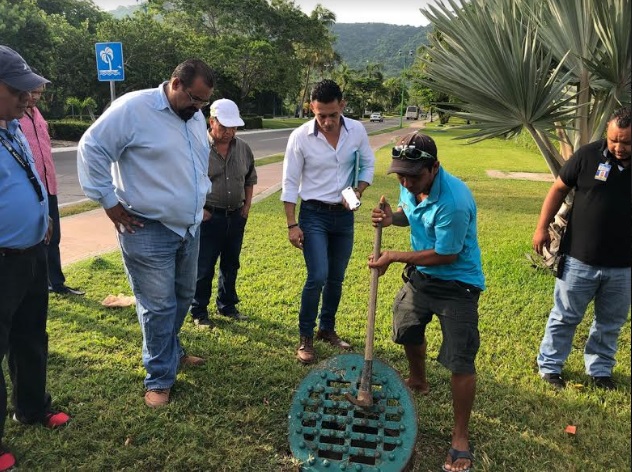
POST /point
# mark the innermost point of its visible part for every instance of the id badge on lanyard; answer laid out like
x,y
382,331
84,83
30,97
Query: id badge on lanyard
x,y
602,171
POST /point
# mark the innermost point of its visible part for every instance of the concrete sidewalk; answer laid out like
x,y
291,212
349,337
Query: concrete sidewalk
x,y
92,233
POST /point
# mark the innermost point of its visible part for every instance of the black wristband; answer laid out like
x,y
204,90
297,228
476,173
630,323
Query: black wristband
x,y
292,226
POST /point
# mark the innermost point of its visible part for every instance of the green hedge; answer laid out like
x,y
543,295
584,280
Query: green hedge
x,y
255,122
67,130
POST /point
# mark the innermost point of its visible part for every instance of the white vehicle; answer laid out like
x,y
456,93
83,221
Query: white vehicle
x,y
376,117
412,113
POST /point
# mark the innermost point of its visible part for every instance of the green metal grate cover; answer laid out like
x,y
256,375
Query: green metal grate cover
x,y
327,432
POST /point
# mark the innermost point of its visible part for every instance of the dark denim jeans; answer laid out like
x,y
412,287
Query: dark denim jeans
x,y
220,238
23,337
56,277
161,268
327,246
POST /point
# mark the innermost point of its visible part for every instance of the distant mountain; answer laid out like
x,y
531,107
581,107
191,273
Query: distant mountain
x,y
361,43
358,43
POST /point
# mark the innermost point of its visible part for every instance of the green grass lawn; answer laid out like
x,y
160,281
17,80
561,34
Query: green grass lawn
x,y
231,414
385,130
280,123
76,208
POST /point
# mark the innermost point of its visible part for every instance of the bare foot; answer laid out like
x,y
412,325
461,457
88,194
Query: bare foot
x,y
418,387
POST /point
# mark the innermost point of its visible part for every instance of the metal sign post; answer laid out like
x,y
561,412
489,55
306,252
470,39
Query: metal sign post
x,y
110,64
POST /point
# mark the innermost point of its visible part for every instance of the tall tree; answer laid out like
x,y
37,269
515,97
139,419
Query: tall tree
x,y
76,12
316,50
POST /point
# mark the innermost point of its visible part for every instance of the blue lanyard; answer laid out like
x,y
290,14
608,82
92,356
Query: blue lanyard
x,y
23,163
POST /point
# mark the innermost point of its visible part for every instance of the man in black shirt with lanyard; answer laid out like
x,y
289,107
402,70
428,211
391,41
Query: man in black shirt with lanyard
x,y
596,253
23,273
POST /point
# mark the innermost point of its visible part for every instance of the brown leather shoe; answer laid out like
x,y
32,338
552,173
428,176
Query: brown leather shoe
x,y
332,338
157,398
191,361
305,352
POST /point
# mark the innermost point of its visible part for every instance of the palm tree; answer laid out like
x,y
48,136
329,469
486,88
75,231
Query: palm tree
x,y
318,51
554,68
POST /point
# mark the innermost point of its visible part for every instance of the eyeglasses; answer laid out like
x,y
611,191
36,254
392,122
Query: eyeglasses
x,y
197,101
410,152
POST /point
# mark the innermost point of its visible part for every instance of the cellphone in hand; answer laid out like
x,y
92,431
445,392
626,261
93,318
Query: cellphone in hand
x,y
350,197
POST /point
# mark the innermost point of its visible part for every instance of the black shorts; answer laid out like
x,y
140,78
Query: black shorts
x,y
455,304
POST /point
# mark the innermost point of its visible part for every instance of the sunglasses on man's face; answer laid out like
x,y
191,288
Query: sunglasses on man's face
x,y
410,152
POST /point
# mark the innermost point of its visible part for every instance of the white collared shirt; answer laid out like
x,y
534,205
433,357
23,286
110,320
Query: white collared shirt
x,y
314,170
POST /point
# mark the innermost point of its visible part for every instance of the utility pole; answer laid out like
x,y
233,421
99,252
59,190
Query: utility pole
x,y
401,105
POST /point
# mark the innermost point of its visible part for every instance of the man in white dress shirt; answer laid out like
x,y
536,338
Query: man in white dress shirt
x,y
322,158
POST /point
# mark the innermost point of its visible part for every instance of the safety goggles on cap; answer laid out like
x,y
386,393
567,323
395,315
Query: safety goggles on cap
x,y
410,152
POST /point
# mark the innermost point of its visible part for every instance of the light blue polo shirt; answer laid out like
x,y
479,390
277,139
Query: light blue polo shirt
x,y
23,218
446,222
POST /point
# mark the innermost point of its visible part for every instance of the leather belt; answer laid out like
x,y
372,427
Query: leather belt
x,y
326,206
223,211
9,251
411,274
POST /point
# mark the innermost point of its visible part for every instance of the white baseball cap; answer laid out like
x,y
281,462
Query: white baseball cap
x,y
226,112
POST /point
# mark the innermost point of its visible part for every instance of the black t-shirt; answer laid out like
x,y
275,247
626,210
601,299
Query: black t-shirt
x,y
598,231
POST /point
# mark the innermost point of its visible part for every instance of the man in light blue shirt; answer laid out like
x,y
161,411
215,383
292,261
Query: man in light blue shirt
x,y
145,160
322,158
443,277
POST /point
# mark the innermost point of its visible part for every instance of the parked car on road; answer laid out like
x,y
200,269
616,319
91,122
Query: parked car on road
x,y
376,117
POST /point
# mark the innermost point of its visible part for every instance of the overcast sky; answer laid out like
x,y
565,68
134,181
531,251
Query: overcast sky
x,y
397,12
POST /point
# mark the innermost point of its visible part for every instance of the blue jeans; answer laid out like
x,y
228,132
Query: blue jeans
x,y
220,238
161,268
327,246
581,283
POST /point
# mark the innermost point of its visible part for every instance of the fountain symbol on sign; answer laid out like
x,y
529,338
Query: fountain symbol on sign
x,y
109,61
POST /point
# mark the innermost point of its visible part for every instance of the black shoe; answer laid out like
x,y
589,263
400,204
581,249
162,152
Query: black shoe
x,y
604,382
555,380
65,290
203,323
235,315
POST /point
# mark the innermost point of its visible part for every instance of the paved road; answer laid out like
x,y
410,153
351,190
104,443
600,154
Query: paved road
x,y
263,143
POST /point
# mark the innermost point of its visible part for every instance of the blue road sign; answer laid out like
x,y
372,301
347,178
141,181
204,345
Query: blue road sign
x,y
110,61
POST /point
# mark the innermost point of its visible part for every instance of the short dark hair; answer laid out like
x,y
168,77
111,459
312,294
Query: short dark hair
x,y
188,70
621,117
326,91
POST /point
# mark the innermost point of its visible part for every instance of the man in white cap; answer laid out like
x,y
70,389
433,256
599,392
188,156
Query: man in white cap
x,y
233,176
23,271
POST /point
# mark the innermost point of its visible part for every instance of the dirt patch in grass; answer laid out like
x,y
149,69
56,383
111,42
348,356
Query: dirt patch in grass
x,y
537,176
